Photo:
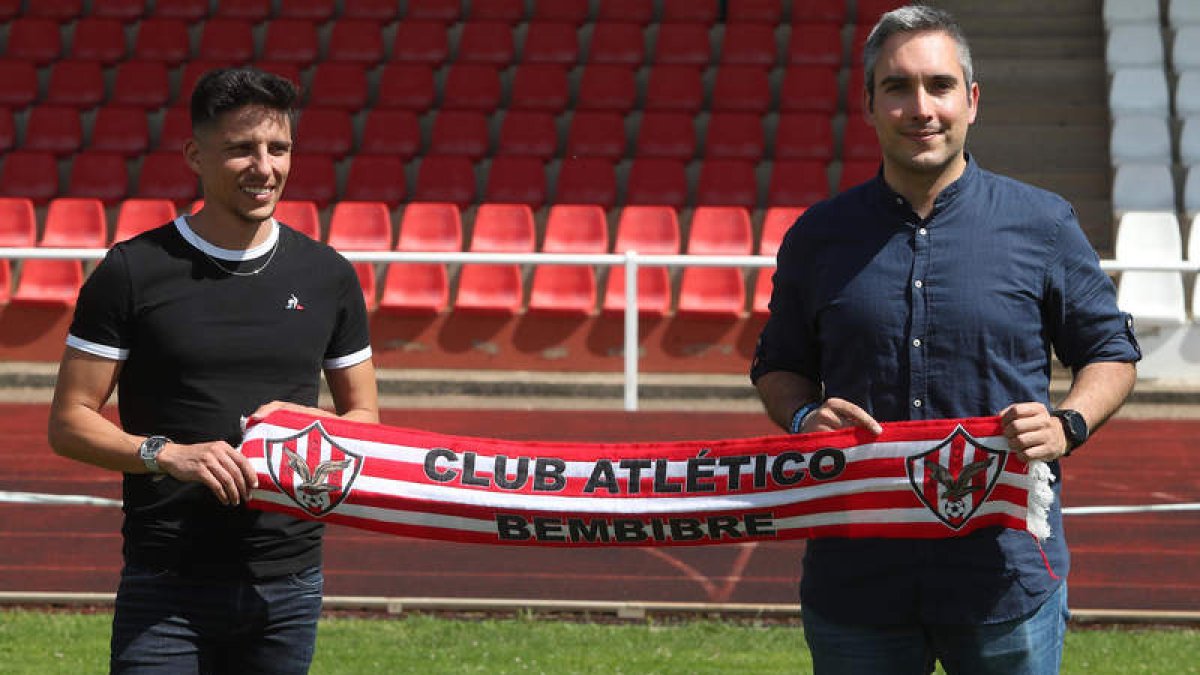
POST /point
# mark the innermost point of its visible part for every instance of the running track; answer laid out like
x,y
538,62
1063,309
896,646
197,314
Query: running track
x,y
1121,562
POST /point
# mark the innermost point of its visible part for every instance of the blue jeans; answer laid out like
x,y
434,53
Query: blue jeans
x,y
1031,645
167,623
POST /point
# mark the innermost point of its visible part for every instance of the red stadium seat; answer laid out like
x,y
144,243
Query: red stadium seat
x,y
586,180
145,84
607,87
734,136
376,178
445,11
312,178
446,179
61,11
487,42
55,129
666,134
164,175
804,136
859,140
18,83
809,89
596,134
818,11
420,42
471,87
869,11
49,282
741,89
856,90
291,41
683,44
496,288
406,85
692,11
18,229
141,215
355,41
288,71
75,223
617,42
649,230
126,10
8,130
313,10
749,44
229,40
516,180
98,39
422,288
761,11
540,86
34,39
461,133
657,181
188,10
815,44
528,133
176,128
569,11
161,39
99,175
29,174
326,131
301,216
856,171
717,292
635,11
192,71
509,11
382,11
797,183
569,289
678,88
79,84
727,182
551,42
251,10
338,85
10,9
362,226
776,223
390,132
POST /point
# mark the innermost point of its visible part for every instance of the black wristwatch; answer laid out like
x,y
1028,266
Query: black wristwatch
x,y
149,450
1075,428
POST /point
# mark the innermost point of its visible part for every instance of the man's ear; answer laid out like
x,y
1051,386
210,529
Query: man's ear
x,y
191,154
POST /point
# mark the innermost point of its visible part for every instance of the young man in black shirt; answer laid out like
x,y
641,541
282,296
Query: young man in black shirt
x,y
198,323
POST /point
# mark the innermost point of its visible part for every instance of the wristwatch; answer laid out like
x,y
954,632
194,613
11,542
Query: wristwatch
x,y
1075,428
149,450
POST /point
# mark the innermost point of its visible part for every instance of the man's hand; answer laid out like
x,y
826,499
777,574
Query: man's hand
x,y
1033,433
216,464
838,413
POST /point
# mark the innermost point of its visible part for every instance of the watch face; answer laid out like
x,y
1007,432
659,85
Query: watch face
x,y
1075,425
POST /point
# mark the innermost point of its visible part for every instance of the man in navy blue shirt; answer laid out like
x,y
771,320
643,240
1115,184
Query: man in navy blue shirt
x,y
939,290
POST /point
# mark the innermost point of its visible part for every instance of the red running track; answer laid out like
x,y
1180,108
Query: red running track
x,y
1126,562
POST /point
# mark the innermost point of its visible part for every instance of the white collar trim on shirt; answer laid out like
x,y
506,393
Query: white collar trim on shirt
x,y
197,241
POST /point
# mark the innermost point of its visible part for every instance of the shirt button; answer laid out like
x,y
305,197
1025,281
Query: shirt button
x,y
916,342
922,232
919,284
916,403
900,200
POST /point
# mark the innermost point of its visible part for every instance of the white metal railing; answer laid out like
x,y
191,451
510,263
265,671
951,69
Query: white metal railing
x,y
630,261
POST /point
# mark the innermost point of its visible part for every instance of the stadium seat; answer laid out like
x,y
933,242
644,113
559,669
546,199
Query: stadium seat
x,y
509,11
471,86
569,289
355,41
682,44
420,42
301,216
162,39
55,129
174,130
1134,45
1142,139
803,136
164,175
776,223
226,40
18,229
869,11
496,288
126,10
79,84
727,182
390,132
18,83
405,85
326,131
815,44
145,84
1141,90
749,44
586,180
362,226
445,11
313,10
551,42
596,134
734,136
1189,141
1185,53
569,11
98,39
741,89
1116,12
98,175
617,43
338,85
634,11
8,130
760,11
70,223
667,135
1183,13
382,11
797,183
672,87
460,133
657,181
859,140
1187,95
291,41
812,89
516,180
607,87
689,11
818,11
857,171
141,215
120,129
540,86
251,10
445,179
1143,187
486,42
33,39
61,11
649,230
422,288
716,292
29,174
188,10
312,178
528,133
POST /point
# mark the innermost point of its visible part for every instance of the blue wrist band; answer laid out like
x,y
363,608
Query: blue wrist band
x,y
801,414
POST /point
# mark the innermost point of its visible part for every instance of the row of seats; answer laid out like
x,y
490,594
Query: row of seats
x,y
1156,297
412,288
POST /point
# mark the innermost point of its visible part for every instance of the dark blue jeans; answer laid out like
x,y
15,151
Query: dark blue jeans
x,y
167,623
1031,645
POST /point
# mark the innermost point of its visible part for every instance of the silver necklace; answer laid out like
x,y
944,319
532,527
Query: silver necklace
x,y
238,273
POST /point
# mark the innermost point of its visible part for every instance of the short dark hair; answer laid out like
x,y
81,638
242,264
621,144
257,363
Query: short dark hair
x,y
224,89
914,19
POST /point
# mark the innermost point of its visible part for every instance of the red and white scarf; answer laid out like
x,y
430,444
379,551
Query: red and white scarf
x,y
930,479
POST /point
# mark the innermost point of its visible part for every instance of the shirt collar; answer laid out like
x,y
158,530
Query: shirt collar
x,y
881,192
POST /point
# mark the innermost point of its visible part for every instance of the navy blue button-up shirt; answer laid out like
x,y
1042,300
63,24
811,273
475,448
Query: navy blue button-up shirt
x,y
954,315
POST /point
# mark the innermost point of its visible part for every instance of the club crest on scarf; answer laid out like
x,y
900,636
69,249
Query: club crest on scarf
x,y
956,476
311,469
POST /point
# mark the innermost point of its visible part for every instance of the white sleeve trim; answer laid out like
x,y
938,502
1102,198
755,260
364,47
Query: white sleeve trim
x,y
348,360
97,349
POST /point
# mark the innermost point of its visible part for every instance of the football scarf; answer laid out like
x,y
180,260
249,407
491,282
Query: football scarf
x,y
929,479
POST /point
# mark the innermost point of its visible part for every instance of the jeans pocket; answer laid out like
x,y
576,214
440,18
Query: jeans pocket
x,y
310,579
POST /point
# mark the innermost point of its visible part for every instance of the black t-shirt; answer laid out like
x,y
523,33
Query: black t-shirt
x,y
202,348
